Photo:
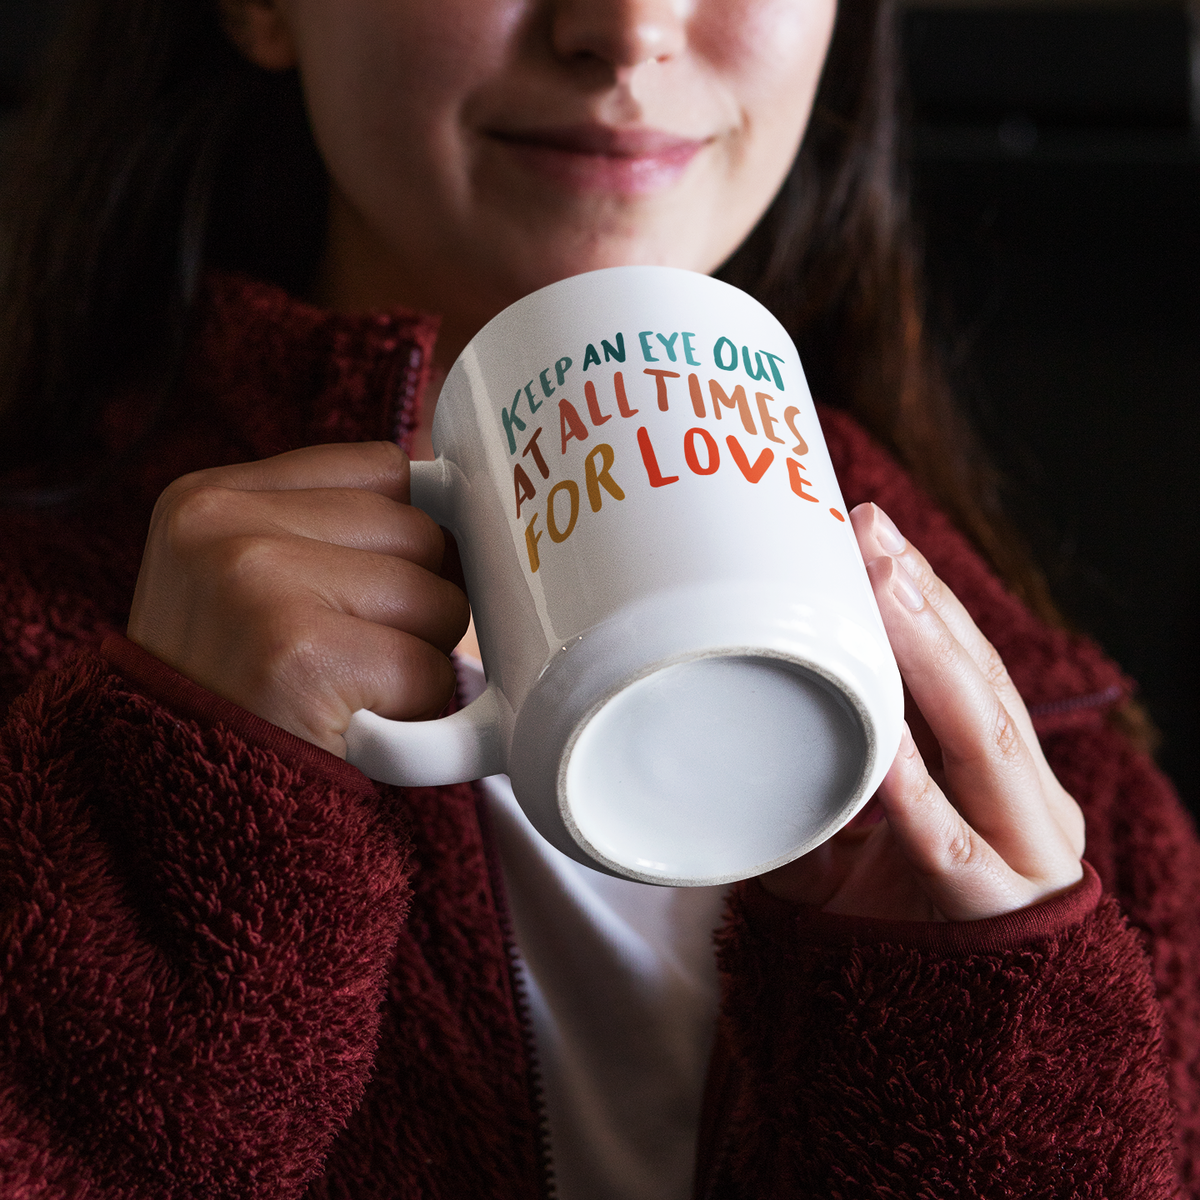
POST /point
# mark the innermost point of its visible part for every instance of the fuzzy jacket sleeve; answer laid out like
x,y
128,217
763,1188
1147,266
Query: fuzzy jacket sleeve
x,y
1014,1057
194,935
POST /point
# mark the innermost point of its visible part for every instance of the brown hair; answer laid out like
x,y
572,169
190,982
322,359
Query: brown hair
x,y
156,149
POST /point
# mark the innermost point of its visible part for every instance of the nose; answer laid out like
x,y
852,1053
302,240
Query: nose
x,y
621,33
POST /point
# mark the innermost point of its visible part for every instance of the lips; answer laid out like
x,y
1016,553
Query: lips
x,y
599,158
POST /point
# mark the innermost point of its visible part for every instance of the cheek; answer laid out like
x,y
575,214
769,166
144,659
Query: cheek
x,y
376,101
771,52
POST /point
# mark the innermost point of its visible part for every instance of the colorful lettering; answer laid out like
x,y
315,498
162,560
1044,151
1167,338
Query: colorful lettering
x,y
758,470
790,415
661,377
732,354
768,421
598,418
532,445
572,489
523,487
650,461
570,425
773,359
622,400
668,344
712,454
595,479
511,422
761,373
798,482
609,352
531,541
717,392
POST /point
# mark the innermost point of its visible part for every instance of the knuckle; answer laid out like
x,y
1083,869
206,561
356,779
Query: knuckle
x,y
247,562
384,460
944,648
995,672
191,514
424,538
1007,737
962,847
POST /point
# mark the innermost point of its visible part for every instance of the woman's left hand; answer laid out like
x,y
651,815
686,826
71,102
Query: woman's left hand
x,y
985,828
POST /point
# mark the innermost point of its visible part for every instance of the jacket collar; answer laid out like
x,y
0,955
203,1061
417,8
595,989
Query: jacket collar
x,y
282,373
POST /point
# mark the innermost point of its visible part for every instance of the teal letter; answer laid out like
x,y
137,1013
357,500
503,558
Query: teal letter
x,y
647,353
529,395
618,353
563,366
510,418
762,371
732,354
548,387
669,345
687,350
773,359
590,356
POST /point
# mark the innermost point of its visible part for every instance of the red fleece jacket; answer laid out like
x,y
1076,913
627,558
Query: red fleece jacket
x,y
232,966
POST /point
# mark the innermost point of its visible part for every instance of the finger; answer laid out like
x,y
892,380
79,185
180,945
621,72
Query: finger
x,y
336,665
349,517
367,466
988,767
878,535
963,875
375,588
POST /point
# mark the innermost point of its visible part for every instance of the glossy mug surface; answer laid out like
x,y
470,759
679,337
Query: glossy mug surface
x,y
688,678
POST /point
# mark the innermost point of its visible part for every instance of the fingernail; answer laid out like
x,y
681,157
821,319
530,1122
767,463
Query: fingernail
x,y
905,590
890,538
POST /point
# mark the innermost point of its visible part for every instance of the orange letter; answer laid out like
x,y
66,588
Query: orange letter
x,y
768,421
531,541
661,378
596,480
656,477
571,425
790,415
798,482
598,418
522,486
752,473
573,491
739,398
537,453
622,399
710,446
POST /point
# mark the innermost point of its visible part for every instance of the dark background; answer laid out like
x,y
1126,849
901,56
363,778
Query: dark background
x,y
1056,175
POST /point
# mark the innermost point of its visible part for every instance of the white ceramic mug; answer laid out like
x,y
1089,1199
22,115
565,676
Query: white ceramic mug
x,y
688,678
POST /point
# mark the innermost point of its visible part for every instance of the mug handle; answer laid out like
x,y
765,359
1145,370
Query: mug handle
x,y
465,745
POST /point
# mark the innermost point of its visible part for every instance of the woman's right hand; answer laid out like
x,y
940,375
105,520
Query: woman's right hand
x,y
303,588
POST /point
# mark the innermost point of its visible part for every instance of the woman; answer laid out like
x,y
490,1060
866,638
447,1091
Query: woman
x,y
233,966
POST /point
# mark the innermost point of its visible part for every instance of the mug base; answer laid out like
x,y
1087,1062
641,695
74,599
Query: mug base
x,y
711,767
765,720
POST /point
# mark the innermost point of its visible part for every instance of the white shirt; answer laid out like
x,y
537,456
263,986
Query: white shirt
x,y
621,984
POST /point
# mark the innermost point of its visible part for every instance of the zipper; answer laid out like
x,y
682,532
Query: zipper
x,y
520,1001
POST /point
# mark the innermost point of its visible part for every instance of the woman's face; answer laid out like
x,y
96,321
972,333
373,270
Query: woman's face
x,y
480,149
